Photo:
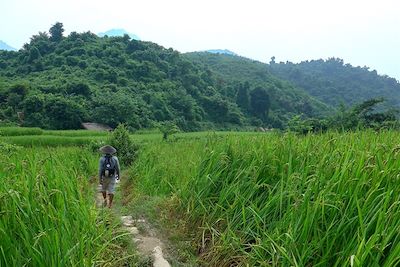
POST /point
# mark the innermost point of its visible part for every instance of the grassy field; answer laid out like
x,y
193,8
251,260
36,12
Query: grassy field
x,y
16,131
50,140
75,133
47,211
250,199
284,200
35,137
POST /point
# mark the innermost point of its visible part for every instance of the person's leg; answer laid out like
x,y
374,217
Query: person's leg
x,y
110,200
105,198
104,188
111,190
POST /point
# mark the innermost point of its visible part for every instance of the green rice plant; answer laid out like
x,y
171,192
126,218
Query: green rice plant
x,y
75,133
50,140
155,137
163,168
6,148
16,131
285,200
47,211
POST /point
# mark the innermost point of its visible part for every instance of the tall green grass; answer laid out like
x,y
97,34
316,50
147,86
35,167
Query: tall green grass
x,y
285,200
75,133
165,167
50,140
16,131
47,211
35,137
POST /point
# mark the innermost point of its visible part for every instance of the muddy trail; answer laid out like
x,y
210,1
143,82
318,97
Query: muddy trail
x,y
147,241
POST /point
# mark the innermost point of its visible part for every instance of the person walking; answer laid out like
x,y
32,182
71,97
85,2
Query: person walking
x,y
109,172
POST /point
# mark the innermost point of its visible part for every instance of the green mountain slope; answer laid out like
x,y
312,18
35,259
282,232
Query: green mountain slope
x,y
285,98
59,82
334,82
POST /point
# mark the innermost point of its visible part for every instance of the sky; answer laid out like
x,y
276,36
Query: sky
x,y
362,33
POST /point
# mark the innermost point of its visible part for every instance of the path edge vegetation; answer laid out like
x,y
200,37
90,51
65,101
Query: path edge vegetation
x,y
280,199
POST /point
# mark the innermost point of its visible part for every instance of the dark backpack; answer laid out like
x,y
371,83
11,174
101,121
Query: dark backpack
x,y
108,166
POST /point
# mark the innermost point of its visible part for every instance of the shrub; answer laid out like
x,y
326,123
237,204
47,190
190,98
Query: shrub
x,y
94,145
126,149
168,128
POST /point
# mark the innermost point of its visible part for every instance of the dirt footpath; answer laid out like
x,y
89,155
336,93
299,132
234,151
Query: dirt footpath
x,y
146,239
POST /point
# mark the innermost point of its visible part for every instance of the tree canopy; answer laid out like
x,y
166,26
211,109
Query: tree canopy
x,y
334,82
58,81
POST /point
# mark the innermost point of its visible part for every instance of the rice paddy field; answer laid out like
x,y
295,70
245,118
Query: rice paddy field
x,y
284,200
47,211
250,199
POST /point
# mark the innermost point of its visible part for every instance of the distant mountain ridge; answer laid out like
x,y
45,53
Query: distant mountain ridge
x,y
334,82
5,46
118,32
330,81
222,51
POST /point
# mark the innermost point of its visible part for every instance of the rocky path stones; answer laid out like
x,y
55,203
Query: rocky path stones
x,y
147,243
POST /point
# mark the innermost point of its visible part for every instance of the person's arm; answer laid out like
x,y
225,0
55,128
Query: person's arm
x,y
100,169
117,167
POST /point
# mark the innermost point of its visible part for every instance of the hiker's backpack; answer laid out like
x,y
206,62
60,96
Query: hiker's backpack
x,y
108,166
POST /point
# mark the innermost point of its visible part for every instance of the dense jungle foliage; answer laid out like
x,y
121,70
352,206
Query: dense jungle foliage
x,y
58,82
334,82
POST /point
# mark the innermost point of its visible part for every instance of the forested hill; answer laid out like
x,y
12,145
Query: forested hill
x,y
240,74
334,82
234,70
58,82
